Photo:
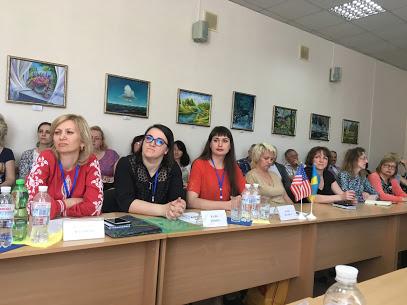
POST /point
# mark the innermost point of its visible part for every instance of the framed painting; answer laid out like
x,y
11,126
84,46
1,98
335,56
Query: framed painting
x,y
243,108
319,127
284,121
127,96
194,108
36,82
350,131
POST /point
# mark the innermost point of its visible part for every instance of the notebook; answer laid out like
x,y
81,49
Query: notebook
x,y
377,202
137,227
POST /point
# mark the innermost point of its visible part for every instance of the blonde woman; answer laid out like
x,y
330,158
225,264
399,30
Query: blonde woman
x,y
69,169
7,160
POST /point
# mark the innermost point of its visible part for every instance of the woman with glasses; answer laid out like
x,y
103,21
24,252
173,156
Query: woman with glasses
x,y
384,181
107,157
215,177
351,178
148,182
29,157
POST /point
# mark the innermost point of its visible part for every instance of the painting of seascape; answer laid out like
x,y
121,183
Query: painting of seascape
x,y
194,108
243,111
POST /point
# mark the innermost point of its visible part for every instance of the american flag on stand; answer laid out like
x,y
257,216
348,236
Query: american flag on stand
x,y
300,186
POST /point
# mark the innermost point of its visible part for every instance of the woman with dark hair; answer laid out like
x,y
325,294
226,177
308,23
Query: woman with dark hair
x,y
215,177
182,158
136,144
328,189
29,157
350,177
148,182
384,181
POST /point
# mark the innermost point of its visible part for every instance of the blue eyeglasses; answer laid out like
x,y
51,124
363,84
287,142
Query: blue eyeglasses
x,y
158,141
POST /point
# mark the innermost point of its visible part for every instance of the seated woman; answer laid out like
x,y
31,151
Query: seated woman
x,y
135,145
270,184
69,169
107,157
7,161
182,158
215,176
350,177
149,182
385,183
29,157
328,189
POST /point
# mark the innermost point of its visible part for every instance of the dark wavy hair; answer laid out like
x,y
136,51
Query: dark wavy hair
x,y
138,138
309,160
351,158
185,160
230,158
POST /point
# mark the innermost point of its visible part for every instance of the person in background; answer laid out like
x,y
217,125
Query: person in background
x,y
69,169
135,145
270,184
215,178
182,158
350,177
333,168
148,182
244,163
7,160
29,157
328,189
107,157
385,183
291,158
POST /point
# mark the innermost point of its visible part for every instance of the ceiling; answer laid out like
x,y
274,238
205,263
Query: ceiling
x,y
382,36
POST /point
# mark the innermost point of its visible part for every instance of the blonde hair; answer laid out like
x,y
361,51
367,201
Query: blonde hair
x,y
3,130
84,132
260,149
97,128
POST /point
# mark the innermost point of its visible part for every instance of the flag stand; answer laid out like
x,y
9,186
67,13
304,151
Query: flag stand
x,y
311,216
301,215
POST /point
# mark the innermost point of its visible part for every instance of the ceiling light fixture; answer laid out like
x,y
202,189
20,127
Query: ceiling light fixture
x,y
357,9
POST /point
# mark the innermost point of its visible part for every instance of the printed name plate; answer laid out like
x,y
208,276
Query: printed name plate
x,y
83,228
215,218
287,212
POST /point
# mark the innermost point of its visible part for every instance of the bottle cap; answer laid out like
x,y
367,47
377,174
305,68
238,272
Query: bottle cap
x,y
20,181
5,189
247,185
43,188
346,274
256,185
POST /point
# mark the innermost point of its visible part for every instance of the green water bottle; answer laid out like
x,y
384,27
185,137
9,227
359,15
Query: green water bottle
x,y
19,196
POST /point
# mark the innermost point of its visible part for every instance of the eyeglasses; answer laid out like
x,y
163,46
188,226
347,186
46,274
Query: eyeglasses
x,y
389,166
158,141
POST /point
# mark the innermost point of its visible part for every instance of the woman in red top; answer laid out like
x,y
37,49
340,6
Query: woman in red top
x,y
215,177
69,169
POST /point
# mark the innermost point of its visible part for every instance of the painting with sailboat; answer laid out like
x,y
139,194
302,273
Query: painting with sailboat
x,y
127,96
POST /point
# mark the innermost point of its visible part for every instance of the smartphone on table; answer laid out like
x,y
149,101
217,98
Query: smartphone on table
x,y
118,221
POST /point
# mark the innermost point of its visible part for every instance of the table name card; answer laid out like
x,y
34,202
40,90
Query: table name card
x,y
83,228
215,218
287,212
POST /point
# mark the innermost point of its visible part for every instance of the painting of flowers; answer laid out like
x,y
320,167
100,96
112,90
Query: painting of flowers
x,y
36,82
127,96
194,108
243,111
284,120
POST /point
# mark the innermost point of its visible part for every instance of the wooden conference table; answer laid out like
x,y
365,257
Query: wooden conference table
x,y
179,268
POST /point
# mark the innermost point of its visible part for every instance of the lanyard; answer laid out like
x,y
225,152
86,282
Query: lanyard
x,y
69,193
220,181
154,185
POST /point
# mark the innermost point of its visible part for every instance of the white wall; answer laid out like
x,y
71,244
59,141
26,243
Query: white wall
x,y
250,53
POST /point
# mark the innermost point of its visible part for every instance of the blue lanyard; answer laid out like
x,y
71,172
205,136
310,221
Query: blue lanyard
x,y
154,185
220,181
69,193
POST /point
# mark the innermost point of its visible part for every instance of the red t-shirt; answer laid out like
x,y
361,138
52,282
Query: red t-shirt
x,y
204,182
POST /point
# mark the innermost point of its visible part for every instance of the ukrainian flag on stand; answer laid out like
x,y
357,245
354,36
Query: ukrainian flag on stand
x,y
314,183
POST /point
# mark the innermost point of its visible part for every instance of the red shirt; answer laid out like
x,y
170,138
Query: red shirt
x,y
204,182
88,186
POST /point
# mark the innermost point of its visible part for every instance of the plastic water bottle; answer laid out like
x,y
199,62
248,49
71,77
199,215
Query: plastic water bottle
x,y
19,195
6,217
246,214
40,212
255,198
344,291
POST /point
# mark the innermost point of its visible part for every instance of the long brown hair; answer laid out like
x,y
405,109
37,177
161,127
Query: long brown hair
x,y
351,158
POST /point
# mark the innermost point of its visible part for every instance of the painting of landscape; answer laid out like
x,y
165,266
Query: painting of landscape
x,y
127,96
350,131
284,120
243,111
194,108
319,127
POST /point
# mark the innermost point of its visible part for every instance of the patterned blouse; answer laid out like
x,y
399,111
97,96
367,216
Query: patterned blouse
x,y
358,184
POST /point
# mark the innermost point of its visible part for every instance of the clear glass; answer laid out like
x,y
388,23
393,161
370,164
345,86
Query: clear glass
x,y
235,210
343,294
264,209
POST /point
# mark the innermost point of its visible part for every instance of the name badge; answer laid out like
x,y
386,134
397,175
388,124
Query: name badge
x,y
83,228
287,212
215,218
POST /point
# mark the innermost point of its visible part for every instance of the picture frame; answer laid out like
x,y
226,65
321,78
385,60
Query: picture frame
x,y
319,127
194,108
350,131
243,111
127,96
284,121
36,82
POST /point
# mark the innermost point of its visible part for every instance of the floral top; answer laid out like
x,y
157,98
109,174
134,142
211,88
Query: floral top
x,y
358,184
88,186
27,161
